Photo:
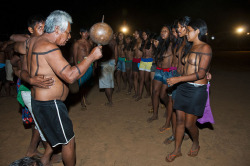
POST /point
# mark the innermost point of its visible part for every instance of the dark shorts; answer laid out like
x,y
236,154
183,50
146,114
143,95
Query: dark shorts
x,y
2,75
172,89
162,76
135,66
191,98
86,76
153,67
128,64
121,64
52,117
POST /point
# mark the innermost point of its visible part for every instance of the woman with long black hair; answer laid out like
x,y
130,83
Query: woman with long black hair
x,y
137,41
163,59
178,48
129,53
191,95
121,71
145,64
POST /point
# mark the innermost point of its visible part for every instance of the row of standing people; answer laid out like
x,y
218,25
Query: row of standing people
x,y
184,61
174,67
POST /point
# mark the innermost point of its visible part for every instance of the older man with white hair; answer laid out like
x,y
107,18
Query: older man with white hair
x,y
45,58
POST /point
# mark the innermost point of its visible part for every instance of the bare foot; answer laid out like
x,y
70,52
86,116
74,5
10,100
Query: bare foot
x,y
83,107
135,96
128,93
87,102
56,158
138,98
109,104
151,111
36,155
151,119
150,103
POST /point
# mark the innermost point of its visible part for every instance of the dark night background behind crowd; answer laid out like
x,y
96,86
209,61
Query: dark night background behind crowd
x,y
222,16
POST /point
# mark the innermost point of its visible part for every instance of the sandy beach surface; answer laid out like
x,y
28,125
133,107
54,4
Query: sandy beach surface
x,y
121,136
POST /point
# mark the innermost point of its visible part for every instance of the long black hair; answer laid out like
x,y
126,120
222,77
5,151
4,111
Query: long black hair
x,y
133,42
163,46
184,21
202,26
173,39
146,43
129,46
117,38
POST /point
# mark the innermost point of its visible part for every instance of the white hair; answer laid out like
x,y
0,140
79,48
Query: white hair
x,y
57,18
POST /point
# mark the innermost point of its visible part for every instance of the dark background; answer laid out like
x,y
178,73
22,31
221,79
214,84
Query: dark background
x,y
222,16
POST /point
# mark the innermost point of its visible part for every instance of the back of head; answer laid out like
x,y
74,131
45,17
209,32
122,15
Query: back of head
x,y
33,20
27,161
57,18
84,30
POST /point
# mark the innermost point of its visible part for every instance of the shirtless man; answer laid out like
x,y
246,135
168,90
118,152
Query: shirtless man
x,y
136,61
45,58
81,50
121,70
163,59
145,65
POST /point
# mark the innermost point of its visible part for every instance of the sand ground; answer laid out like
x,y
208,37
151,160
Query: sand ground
x,y
120,136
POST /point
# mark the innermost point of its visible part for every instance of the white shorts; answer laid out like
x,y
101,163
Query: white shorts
x,y
26,95
9,70
106,80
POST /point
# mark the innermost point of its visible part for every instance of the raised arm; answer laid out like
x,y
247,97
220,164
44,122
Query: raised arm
x,y
19,37
71,73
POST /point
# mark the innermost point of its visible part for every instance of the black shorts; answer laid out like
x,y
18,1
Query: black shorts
x,y
2,75
153,68
135,66
53,120
191,99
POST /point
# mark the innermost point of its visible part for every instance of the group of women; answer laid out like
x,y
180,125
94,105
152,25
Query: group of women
x,y
174,68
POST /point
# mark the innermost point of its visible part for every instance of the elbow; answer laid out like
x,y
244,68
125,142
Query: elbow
x,y
69,79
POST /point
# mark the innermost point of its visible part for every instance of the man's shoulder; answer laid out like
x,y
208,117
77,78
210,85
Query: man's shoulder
x,y
43,46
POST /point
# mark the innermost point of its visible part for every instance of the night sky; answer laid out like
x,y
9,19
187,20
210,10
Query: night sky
x,y
220,15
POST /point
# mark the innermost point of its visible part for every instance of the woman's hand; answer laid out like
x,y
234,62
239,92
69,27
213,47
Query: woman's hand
x,y
173,80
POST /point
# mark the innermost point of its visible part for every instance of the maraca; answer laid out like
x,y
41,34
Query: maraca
x,y
101,33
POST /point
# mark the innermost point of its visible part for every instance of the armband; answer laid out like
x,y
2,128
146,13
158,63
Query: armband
x,y
78,70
